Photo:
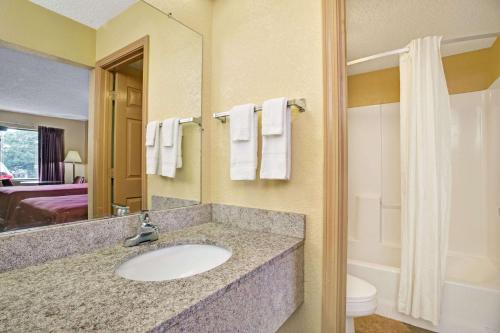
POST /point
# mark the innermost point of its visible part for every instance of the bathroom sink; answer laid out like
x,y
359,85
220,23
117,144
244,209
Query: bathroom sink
x,y
173,262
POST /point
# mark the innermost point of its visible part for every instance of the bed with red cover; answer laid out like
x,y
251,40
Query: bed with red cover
x,y
40,211
11,196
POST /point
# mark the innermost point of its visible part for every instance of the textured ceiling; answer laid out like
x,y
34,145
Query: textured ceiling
x,y
36,85
92,13
375,26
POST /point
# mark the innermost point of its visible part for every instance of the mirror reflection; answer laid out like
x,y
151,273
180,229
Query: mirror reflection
x,y
75,104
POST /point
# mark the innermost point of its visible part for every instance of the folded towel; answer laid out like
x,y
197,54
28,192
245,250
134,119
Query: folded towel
x,y
167,132
244,153
169,154
277,151
179,148
151,134
273,116
152,147
241,116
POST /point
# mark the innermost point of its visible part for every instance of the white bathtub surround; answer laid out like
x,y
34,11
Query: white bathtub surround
x,y
425,178
152,147
367,216
276,145
169,147
473,263
473,270
243,121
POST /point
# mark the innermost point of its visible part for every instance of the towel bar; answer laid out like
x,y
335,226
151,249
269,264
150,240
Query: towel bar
x,y
196,120
299,103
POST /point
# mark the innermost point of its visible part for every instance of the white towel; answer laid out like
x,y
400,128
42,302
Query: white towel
x,y
277,149
241,116
179,148
152,147
169,154
273,116
151,130
167,132
244,153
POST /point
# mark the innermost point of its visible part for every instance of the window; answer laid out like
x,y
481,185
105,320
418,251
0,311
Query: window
x,y
19,152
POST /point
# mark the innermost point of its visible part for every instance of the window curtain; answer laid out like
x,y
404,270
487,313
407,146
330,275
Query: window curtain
x,y
50,154
425,178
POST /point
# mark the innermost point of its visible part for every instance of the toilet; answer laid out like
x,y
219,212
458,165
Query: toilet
x,y
361,300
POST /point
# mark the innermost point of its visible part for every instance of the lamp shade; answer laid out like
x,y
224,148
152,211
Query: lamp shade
x,y
73,157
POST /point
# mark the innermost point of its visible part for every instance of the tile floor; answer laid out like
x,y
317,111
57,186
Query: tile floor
x,y
379,324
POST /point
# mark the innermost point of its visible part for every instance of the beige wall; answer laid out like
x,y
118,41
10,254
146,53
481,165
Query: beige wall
x,y
75,135
175,64
465,72
33,27
263,49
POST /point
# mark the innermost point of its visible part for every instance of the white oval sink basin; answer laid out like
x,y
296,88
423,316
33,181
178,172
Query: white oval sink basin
x,y
173,262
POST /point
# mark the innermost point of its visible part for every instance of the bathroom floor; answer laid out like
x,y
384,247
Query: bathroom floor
x,y
379,324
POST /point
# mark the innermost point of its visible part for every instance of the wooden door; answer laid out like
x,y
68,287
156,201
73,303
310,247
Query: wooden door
x,y
128,132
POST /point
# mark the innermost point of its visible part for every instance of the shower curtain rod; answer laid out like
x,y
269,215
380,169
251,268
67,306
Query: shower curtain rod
x,y
405,49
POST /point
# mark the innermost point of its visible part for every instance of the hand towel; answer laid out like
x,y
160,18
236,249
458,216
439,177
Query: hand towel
x,y
243,164
167,132
179,148
169,154
277,149
241,116
273,116
151,129
152,147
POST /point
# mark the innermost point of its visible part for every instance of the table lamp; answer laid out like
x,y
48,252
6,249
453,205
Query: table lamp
x,y
73,157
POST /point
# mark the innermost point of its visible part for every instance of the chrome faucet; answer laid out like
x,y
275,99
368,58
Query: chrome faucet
x,y
147,232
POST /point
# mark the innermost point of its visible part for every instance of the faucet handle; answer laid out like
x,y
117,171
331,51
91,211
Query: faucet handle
x,y
146,225
144,217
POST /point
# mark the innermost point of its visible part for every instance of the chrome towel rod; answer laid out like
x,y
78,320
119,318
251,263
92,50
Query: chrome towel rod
x,y
299,103
196,120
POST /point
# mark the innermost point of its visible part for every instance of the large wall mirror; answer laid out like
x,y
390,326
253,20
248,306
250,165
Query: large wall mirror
x,y
99,115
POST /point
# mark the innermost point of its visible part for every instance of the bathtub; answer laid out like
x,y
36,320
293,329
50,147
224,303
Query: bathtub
x,y
468,307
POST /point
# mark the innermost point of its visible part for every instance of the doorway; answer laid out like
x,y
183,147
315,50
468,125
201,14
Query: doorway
x,y
119,123
126,174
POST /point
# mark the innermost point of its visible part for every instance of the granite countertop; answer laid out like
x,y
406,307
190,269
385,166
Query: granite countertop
x,y
83,293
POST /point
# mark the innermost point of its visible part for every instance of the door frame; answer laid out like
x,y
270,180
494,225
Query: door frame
x,y
335,168
103,82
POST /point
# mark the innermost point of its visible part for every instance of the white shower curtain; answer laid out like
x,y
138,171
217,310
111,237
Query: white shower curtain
x,y
425,178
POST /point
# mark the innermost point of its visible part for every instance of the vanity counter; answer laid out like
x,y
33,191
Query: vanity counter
x,y
83,292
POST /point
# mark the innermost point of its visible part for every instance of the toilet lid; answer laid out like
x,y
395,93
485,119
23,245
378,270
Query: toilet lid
x,y
359,290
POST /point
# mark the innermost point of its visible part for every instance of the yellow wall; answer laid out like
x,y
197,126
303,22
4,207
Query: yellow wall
x,y
263,49
175,63
33,27
75,134
465,72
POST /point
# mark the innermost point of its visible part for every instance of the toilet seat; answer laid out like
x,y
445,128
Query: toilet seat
x,y
361,297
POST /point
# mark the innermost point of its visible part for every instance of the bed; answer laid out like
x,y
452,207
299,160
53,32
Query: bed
x,y
11,196
40,211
